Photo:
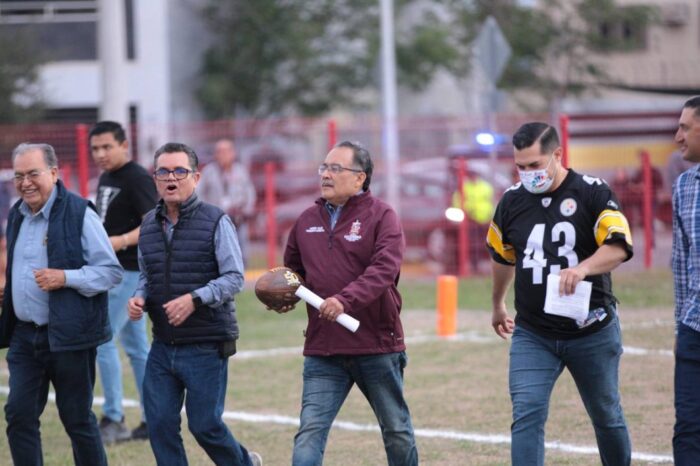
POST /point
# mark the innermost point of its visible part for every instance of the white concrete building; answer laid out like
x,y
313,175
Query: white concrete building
x,y
164,43
166,38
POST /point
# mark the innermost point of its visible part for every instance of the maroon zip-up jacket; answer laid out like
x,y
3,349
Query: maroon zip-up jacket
x,y
359,263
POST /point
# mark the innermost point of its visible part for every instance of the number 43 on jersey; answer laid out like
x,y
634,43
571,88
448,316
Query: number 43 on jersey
x,y
563,234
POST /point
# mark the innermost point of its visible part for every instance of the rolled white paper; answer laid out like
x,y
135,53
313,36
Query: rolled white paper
x,y
315,300
309,296
349,322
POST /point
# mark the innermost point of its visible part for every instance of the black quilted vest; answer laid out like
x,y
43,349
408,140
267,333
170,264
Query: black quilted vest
x,y
188,262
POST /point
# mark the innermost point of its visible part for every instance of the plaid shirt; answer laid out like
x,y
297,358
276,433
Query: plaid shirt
x,y
685,257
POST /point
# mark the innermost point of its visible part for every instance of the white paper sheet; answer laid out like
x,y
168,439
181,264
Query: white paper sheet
x,y
574,306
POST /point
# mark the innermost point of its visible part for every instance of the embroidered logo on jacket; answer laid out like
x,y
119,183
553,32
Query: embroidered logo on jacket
x,y
354,234
315,230
546,201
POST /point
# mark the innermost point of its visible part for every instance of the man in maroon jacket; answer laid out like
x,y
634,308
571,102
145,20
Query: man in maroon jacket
x,y
348,248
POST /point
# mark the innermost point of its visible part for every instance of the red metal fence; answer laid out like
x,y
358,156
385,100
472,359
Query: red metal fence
x,y
437,154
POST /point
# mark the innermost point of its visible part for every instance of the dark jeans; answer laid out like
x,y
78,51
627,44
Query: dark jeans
x,y
72,373
593,360
686,432
196,375
327,382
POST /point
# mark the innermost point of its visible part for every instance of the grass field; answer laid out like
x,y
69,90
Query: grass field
x,y
456,388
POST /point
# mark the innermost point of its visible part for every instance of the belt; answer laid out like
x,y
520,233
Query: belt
x,y
32,324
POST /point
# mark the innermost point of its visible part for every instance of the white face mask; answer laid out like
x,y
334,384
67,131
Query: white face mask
x,y
537,181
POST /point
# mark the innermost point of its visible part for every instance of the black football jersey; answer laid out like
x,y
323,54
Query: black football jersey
x,y
540,234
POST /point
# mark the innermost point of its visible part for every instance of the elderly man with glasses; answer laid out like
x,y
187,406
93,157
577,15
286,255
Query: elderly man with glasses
x,y
60,266
190,270
348,247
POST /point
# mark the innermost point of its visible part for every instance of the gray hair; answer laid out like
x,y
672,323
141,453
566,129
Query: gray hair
x,y
46,149
361,159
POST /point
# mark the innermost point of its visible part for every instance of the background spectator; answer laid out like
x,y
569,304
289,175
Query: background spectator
x,y
227,184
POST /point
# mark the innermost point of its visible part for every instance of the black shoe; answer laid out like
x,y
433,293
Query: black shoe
x,y
140,433
113,432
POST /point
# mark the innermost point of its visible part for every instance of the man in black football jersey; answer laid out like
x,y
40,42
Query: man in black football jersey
x,y
561,223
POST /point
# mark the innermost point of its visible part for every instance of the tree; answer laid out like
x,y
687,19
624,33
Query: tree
x,y
306,56
556,44
20,99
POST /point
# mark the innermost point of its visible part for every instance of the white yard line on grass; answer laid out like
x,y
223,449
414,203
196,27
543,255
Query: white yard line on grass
x,y
633,351
426,433
252,354
648,324
469,337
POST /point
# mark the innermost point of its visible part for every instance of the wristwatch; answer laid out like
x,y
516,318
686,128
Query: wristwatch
x,y
196,299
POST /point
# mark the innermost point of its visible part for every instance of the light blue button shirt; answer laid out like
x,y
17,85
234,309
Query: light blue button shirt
x,y
334,211
228,257
101,273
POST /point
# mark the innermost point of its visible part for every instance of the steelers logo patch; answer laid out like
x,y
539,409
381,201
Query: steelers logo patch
x,y
568,207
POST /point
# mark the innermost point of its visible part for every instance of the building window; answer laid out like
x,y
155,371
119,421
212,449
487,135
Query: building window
x,y
60,41
624,31
63,29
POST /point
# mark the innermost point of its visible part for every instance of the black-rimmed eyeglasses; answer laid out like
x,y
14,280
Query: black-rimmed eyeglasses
x,y
179,173
335,168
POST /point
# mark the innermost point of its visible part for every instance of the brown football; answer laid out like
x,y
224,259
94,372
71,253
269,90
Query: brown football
x,y
275,288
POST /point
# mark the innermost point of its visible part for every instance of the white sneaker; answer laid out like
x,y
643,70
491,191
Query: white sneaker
x,y
255,458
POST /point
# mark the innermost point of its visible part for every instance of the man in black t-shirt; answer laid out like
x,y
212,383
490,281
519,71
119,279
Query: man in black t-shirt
x,y
124,194
558,223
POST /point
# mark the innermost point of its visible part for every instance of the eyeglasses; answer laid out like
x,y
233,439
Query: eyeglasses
x,y
32,176
179,173
335,168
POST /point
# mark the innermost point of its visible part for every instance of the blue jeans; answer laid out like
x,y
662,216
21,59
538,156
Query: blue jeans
x,y
535,364
132,335
327,382
686,431
72,373
198,372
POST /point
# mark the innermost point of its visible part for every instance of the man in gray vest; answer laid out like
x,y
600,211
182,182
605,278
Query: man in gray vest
x,y
190,269
54,315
